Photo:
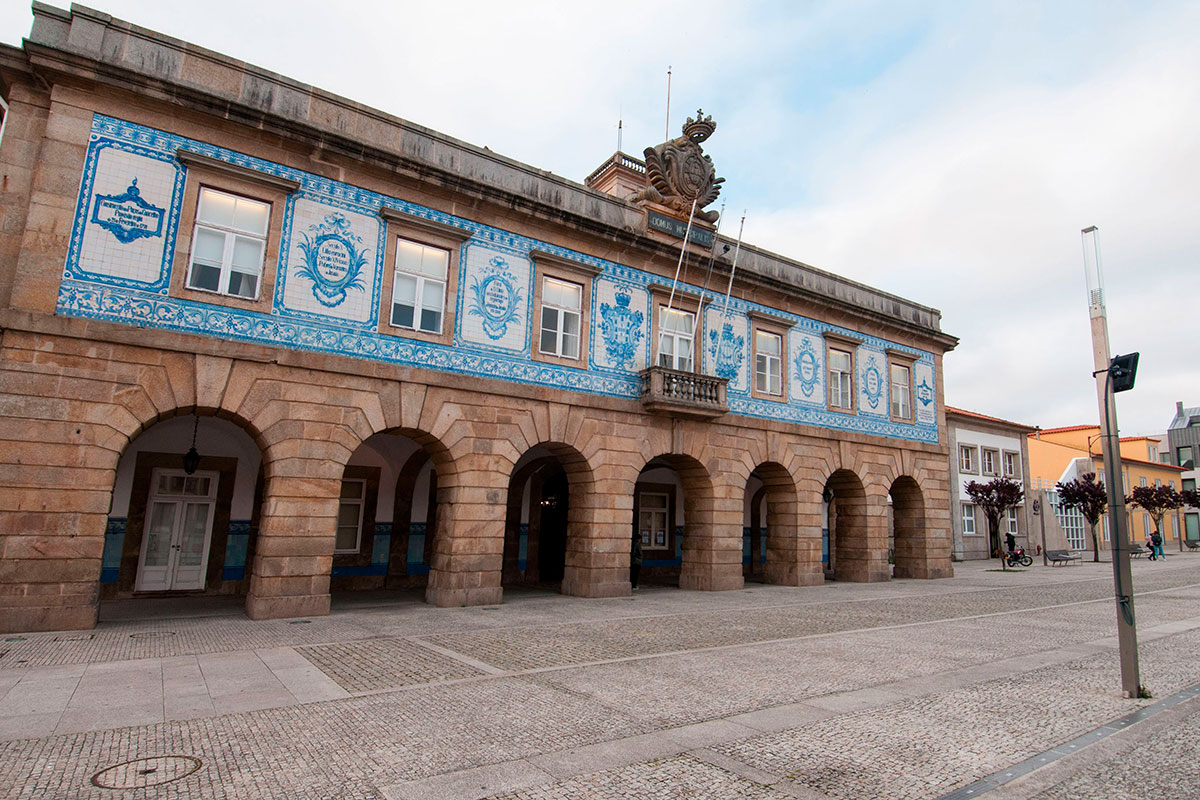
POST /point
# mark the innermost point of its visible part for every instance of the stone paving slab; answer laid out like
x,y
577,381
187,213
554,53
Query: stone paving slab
x,y
932,676
378,664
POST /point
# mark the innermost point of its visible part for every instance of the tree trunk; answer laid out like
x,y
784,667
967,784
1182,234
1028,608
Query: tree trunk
x,y
1095,545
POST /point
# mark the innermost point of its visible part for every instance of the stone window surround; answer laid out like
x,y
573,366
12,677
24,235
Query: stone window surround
x,y
431,234
549,265
776,326
970,465
1015,472
690,302
994,471
900,358
842,343
969,517
212,173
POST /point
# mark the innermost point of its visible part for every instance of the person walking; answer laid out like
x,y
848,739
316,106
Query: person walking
x,y
1156,538
635,561
1150,546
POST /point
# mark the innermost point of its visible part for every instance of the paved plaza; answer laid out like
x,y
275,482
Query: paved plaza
x,y
1000,685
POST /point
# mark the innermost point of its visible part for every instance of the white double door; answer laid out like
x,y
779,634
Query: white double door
x,y
179,516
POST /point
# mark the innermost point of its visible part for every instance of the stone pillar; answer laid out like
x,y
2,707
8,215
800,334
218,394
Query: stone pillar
x,y
793,559
599,536
862,537
293,553
468,546
712,541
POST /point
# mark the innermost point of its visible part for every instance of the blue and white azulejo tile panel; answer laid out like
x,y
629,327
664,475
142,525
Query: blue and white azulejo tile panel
x,y
873,383
125,220
806,363
620,325
726,346
333,235
495,293
330,265
925,393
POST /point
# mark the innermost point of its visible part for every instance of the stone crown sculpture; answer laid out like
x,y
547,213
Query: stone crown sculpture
x,y
679,172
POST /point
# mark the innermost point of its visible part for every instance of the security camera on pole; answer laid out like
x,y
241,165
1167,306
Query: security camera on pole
x,y
1113,375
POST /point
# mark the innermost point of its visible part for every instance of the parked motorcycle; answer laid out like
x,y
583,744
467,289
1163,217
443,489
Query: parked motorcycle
x,y
1019,556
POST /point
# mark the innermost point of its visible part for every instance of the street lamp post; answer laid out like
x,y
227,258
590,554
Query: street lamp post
x,y
1118,525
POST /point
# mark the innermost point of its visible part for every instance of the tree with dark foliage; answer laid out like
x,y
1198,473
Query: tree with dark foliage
x,y
995,497
1091,498
1156,501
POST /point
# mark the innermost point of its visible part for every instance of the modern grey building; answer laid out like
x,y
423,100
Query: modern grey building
x,y
1183,446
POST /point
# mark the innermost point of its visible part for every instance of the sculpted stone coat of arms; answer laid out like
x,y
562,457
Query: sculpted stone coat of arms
x,y
679,172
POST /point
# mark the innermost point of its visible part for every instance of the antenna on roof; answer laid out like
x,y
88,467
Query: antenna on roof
x,y
668,134
619,124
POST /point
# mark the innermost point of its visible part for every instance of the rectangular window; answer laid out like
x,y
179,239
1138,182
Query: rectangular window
x,y
1073,525
841,383
901,392
966,459
1182,456
968,519
1191,526
561,303
1143,481
989,461
652,520
1146,524
419,288
1010,465
1188,483
1012,521
228,243
350,512
768,363
675,339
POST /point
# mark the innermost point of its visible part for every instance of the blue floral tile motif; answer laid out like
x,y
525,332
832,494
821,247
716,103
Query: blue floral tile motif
x,y
808,368
127,216
496,297
621,328
728,352
621,338
333,259
873,385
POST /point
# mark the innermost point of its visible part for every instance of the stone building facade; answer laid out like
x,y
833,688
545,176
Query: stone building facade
x,y
260,340
984,448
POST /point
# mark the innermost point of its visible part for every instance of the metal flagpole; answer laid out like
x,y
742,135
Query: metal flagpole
x,y
682,252
736,252
712,252
668,131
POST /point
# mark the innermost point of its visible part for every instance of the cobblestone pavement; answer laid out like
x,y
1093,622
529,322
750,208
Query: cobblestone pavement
x,y
901,690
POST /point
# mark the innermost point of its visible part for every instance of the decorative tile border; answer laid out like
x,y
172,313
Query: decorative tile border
x,y
493,326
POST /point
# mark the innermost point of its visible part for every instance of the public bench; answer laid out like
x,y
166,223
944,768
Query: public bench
x,y
1137,550
1192,544
1062,557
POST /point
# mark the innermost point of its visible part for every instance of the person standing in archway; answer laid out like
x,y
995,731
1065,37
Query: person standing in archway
x,y
635,561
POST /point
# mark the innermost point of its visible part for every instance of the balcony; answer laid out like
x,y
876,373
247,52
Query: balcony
x,y
683,394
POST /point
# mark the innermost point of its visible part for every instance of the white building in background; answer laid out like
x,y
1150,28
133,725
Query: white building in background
x,y
983,448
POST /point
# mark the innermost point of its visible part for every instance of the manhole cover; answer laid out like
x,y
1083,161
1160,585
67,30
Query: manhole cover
x,y
300,622
15,639
142,772
151,634
84,638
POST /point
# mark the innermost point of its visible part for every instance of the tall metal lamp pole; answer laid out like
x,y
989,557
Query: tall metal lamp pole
x,y
1117,523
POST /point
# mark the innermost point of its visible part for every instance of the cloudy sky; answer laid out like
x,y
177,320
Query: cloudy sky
x,y
948,152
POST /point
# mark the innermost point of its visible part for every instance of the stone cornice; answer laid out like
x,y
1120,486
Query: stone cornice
x,y
90,46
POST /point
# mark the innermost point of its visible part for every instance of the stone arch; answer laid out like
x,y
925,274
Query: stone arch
x,y
908,528
784,560
551,493
705,548
388,509
853,552
141,552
